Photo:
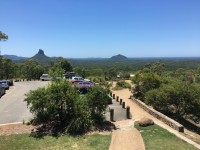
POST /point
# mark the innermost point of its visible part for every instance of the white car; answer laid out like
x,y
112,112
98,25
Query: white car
x,y
45,77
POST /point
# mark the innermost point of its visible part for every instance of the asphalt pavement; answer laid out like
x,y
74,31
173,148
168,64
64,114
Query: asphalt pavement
x,y
13,108
119,112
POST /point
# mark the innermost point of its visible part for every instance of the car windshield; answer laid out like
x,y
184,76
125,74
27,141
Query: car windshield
x,y
3,82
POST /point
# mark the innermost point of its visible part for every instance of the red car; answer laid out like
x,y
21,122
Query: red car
x,y
85,84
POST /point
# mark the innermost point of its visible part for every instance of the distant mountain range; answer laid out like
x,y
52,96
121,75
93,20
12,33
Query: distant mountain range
x,y
14,57
41,58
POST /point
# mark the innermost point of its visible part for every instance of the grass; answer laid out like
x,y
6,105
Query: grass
x,y
157,138
85,142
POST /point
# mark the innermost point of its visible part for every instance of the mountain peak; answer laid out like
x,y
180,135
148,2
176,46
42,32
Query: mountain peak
x,y
41,52
118,57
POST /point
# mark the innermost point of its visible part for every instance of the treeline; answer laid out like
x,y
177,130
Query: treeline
x,y
31,69
134,64
174,93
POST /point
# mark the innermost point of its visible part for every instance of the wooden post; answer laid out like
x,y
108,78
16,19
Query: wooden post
x,y
120,102
111,114
113,96
128,112
117,99
123,104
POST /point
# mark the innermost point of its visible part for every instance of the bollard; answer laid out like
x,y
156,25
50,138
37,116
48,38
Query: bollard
x,y
128,112
111,114
113,96
117,99
120,101
123,104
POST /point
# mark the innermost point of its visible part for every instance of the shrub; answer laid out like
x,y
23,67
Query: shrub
x,y
98,100
60,102
122,84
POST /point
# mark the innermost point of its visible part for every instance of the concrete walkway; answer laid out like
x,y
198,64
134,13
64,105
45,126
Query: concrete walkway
x,y
126,137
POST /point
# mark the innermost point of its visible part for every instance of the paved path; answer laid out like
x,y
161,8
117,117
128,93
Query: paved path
x,y
12,105
126,137
138,113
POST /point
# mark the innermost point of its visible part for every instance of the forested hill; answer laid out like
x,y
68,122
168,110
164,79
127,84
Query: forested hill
x,y
133,64
118,57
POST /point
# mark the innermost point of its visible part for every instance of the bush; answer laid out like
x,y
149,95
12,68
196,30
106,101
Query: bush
x,y
122,84
98,100
82,119
60,102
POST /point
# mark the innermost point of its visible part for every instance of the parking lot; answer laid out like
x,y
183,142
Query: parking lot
x,y
12,105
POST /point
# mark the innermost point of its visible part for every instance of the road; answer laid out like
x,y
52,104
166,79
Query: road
x,y
12,106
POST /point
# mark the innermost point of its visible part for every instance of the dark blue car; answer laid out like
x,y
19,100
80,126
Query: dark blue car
x,y
2,90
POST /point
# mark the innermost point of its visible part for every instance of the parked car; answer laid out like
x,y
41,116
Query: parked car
x,y
10,82
5,84
45,77
69,75
85,84
2,90
76,79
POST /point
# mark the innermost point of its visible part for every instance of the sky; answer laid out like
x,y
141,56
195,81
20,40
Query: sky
x,y
101,28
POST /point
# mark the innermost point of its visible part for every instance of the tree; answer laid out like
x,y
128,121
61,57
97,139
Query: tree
x,y
59,67
7,68
3,36
31,69
144,83
178,98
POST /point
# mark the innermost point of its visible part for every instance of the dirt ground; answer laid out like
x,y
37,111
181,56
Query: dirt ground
x,y
18,128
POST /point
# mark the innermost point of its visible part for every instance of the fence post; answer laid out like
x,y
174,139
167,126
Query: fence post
x,y
117,99
128,112
111,114
113,96
123,104
120,101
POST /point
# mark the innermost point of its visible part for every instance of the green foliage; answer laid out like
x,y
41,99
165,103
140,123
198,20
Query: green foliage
x,y
145,82
82,118
177,97
38,102
122,84
6,68
59,67
61,102
98,100
3,36
55,102
31,69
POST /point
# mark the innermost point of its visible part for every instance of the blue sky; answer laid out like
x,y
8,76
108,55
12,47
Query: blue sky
x,y
101,28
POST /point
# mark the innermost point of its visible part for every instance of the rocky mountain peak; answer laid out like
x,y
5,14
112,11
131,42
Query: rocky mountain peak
x,y
41,52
